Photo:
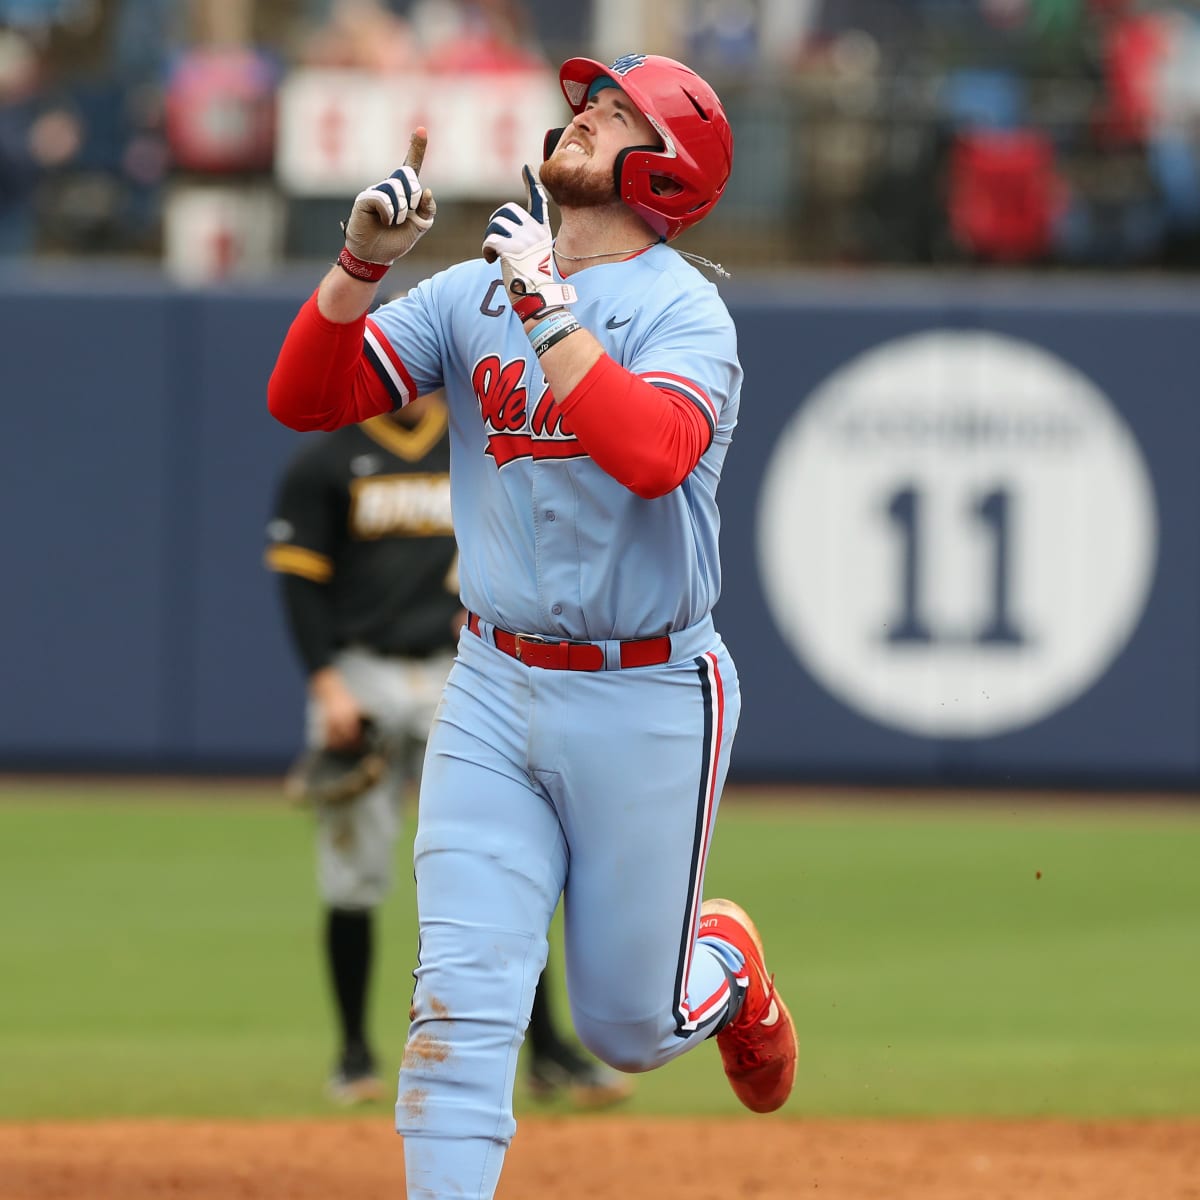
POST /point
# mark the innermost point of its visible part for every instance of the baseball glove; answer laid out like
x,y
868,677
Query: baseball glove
x,y
338,776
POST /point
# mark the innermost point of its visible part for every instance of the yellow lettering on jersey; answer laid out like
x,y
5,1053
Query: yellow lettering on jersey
x,y
400,506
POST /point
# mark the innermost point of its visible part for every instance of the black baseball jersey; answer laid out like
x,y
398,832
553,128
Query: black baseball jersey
x,y
362,536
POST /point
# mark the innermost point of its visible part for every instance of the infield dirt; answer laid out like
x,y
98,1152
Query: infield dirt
x,y
615,1158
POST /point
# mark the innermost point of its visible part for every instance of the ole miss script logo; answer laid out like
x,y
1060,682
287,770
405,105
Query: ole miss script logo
x,y
514,429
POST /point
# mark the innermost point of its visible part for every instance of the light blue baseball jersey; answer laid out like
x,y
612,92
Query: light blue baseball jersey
x,y
549,543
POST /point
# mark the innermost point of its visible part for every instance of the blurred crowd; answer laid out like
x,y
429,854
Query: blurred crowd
x,y
1060,132
105,103
1027,131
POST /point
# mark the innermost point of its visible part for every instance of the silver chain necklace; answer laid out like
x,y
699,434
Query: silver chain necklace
x,y
607,254
704,262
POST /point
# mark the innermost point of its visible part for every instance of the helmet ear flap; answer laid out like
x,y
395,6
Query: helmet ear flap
x,y
619,169
633,186
550,143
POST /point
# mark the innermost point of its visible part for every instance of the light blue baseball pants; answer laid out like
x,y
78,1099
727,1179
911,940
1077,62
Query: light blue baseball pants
x,y
600,787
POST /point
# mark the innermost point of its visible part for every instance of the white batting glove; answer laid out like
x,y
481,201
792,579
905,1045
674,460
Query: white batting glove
x,y
520,238
388,219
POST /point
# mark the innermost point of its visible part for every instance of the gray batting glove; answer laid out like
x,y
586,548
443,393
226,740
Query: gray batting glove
x,y
388,220
520,238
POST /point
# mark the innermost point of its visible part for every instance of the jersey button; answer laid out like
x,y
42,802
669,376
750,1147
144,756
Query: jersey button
x,y
551,515
556,610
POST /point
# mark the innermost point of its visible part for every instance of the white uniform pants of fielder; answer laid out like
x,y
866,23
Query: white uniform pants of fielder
x,y
356,841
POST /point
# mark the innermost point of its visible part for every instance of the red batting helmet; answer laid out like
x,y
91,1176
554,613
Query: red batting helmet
x,y
697,144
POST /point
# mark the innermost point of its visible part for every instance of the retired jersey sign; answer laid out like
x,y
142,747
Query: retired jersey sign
x,y
341,130
956,533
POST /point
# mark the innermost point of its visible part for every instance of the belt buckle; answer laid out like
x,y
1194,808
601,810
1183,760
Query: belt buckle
x,y
519,639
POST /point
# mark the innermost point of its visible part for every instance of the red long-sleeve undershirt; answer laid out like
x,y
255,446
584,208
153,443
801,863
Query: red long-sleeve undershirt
x,y
322,379
648,439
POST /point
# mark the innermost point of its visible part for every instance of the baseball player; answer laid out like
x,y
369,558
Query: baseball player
x,y
362,540
584,734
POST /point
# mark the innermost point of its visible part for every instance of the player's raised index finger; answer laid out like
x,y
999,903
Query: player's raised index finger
x,y
535,195
416,148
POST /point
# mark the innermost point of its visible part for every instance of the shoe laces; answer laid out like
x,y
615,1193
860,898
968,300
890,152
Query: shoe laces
x,y
748,1039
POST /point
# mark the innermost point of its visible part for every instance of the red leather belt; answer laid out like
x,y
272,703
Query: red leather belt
x,y
573,656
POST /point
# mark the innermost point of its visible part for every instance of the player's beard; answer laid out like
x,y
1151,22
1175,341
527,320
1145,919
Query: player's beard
x,y
577,185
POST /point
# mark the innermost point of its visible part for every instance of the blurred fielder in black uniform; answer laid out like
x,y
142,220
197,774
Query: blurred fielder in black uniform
x,y
362,541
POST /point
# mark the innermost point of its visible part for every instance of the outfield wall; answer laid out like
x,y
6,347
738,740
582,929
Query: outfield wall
x,y
959,545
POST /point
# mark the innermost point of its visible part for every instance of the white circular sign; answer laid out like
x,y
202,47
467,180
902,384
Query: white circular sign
x,y
956,533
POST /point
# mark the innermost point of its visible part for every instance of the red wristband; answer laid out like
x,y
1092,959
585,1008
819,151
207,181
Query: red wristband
x,y
528,307
358,268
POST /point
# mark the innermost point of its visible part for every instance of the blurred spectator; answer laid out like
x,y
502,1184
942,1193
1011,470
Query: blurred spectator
x,y
433,35
559,26
476,35
724,36
34,138
145,36
1173,133
895,25
98,126
37,16
222,214
220,96
1005,196
221,110
1119,214
361,34
106,199
1133,45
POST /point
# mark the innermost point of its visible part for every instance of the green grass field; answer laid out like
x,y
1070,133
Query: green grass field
x,y
159,955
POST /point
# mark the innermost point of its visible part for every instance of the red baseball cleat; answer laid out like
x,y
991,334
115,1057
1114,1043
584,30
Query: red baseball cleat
x,y
758,1047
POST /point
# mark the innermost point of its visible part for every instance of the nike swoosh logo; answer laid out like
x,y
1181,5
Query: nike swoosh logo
x,y
772,1014
613,323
